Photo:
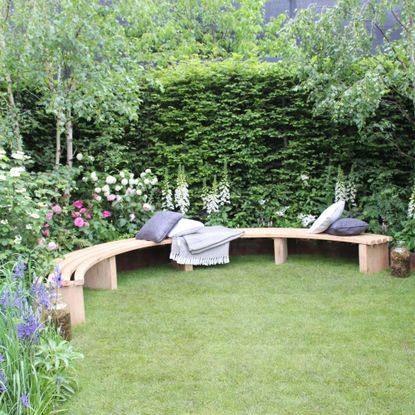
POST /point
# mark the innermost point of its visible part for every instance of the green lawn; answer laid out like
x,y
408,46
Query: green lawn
x,y
312,336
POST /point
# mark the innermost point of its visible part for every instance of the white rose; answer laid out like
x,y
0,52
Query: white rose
x,y
17,239
84,179
124,182
28,226
142,174
122,174
138,192
106,188
146,182
146,207
97,190
148,171
132,217
4,222
154,181
131,182
131,175
98,198
16,171
117,188
106,194
18,155
79,156
110,180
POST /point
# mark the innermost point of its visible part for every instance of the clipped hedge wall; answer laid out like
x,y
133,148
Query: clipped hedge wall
x,y
247,113
253,115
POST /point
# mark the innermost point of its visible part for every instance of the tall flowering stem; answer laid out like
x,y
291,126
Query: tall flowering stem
x,y
411,205
224,187
181,194
167,193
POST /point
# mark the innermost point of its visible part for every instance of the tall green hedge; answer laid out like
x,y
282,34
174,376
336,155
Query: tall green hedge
x,y
252,115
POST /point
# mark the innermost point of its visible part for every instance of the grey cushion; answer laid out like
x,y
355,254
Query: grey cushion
x,y
347,227
158,226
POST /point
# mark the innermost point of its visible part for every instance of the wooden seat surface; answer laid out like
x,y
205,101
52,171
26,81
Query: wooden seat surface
x,y
77,263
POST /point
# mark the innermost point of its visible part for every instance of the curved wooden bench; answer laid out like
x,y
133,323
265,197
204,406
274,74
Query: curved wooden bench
x,y
95,267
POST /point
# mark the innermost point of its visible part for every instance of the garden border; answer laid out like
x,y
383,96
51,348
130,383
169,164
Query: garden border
x,y
95,266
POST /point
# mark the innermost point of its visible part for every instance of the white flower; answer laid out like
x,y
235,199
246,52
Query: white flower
x,y
131,175
105,188
154,181
122,174
117,188
304,177
142,174
138,192
91,158
79,156
148,171
131,182
411,205
110,180
146,207
84,179
21,190
132,217
106,194
136,181
18,155
2,177
94,176
34,215
98,190
4,221
17,239
98,198
211,202
29,226
146,182
16,171
167,199
124,182
282,211
306,219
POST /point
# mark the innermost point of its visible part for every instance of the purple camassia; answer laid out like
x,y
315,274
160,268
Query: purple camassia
x,y
24,399
3,380
40,293
19,269
57,278
29,329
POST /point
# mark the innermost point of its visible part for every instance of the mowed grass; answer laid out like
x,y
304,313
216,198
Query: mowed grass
x,y
312,336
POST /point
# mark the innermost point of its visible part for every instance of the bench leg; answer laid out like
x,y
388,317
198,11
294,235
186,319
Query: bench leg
x,y
280,250
182,267
73,295
373,258
102,275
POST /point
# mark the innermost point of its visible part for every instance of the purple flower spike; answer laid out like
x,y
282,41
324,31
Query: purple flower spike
x,y
57,277
19,269
29,329
3,379
40,294
24,399
1,358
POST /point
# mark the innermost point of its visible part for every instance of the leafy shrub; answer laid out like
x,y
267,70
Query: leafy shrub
x,y
36,364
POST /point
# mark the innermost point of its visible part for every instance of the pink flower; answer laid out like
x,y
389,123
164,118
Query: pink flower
x,y
78,204
56,209
45,232
41,241
75,214
78,222
146,207
106,214
86,223
52,246
46,225
95,196
49,215
83,210
110,198
88,216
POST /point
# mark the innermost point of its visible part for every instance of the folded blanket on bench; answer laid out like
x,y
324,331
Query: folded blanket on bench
x,y
209,246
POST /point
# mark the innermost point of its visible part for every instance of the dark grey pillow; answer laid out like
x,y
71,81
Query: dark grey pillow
x,y
158,226
347,227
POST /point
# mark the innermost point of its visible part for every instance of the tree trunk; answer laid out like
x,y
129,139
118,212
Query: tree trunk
x,y
58,148
14,114
69,139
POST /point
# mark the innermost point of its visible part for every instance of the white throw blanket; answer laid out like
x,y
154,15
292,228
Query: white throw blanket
x,y
209,246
